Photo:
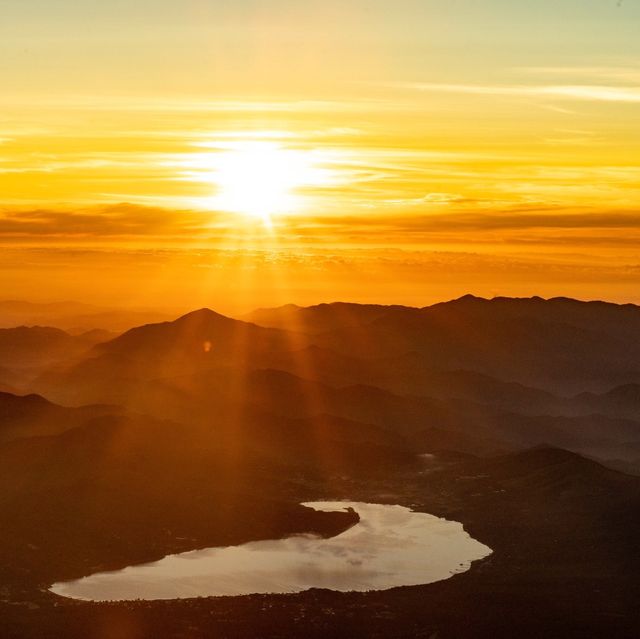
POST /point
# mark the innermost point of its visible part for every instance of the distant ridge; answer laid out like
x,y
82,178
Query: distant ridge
x,y
34,416
492,375
469,297
192,329
320,317
75,317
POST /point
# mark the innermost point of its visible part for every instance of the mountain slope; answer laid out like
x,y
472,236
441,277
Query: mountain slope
x,y
320,318
126,489
194,342
535,345
31,346
34,416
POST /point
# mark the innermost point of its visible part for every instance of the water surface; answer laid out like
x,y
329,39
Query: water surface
x,y
390,546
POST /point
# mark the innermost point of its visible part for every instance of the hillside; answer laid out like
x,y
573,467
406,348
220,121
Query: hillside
x,y
34,416
509,416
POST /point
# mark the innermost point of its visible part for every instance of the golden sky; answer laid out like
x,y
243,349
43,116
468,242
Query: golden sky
x,y
384,151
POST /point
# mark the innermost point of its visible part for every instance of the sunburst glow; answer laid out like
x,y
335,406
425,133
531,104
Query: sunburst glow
x,y
259,178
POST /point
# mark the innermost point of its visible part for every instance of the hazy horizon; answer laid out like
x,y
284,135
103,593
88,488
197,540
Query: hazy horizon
x,y
90,306
237,281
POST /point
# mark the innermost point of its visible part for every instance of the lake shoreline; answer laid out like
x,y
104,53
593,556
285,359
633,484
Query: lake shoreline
x,y
394,546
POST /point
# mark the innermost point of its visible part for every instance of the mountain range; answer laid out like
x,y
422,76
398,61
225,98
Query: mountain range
x,y
518,417
493,375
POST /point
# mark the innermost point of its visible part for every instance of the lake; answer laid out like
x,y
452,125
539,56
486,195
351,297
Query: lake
x,y
390,546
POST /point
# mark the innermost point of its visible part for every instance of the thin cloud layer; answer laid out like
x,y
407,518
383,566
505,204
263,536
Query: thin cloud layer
x,y
601,93
119,221
461,224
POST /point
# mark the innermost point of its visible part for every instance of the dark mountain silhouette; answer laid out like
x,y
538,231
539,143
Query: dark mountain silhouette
x,y
545,469
194,342
590,316
528,349
34,416
26,351
321,318
28,346
138,488
420,351
206,364
411,374
553,519
419,424
621,401
208,430
562,346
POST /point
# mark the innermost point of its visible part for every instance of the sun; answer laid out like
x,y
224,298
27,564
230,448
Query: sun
x,y
258,178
